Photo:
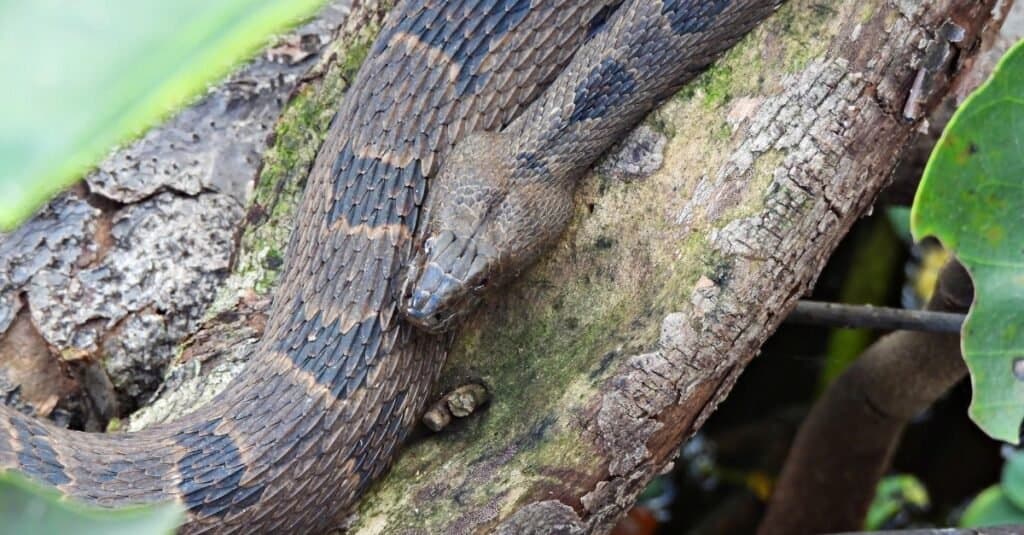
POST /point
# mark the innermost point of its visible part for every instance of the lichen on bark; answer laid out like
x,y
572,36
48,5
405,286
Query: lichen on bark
x,y
213,357
614,348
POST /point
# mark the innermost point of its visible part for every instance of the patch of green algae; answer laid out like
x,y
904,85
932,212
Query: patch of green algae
x,y
808,30
809,33
729,76
546,346
297,137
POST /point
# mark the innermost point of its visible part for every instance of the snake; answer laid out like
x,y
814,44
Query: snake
x,y
448,168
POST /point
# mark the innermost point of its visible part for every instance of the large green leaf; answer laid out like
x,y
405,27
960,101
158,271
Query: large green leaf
x,y
28,508
972,199
1013,479
991,508
83,75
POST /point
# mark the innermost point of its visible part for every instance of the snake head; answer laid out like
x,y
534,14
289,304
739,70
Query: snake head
x,y
489,218
447,280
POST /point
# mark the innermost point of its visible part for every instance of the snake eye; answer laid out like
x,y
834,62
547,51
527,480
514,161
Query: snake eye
x,y
481,286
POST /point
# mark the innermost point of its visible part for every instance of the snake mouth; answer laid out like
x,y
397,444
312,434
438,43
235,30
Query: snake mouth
x,y
428,306
445,282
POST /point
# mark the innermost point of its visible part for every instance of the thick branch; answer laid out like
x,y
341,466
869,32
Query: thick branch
x,y
618,346
768,161
845,444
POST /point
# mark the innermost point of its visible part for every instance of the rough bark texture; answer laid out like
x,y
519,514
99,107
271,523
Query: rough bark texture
x,y
614,349
99,288
771,156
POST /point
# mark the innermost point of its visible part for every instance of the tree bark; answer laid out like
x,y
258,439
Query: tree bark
x,y
612,351
603,358
100,287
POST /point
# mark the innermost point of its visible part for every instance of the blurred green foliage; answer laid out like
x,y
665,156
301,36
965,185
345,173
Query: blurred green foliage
x,y
875,261
26,507
895,494
1001,504
85,75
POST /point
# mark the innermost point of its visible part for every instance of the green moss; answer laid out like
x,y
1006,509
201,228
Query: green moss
x,y
658,122
866,12
809,29
114,425
546,346
298,134
297,138
354,57
739,72
717,85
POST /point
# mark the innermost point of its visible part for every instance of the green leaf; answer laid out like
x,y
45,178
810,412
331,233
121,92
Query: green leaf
x,y
84,75
972,199
1013,479
894,494
991,508
26,507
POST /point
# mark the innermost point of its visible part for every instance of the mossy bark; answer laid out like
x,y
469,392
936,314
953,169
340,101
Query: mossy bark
x,y
618,345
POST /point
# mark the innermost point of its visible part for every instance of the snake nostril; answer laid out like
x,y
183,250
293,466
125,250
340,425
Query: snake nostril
x,y
419,300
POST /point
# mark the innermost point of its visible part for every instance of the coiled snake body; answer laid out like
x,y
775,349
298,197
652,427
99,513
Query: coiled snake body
x,y
339,376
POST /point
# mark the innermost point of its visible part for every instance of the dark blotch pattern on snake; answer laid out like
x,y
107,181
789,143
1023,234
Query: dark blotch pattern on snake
x,y
503,197
517,98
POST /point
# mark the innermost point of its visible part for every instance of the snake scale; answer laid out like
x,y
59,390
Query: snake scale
x,y
502,105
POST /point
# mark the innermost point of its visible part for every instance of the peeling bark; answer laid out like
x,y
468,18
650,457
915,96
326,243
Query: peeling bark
x,y
110,277
771,157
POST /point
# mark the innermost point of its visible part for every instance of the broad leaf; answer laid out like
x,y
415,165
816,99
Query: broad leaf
x,y
991,508
28,508
1013,479
84,75
972,199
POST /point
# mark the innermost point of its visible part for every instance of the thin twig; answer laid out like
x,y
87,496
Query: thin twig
x,y
871,317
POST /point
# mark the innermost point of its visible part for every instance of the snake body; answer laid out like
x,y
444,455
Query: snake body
x,y
339,377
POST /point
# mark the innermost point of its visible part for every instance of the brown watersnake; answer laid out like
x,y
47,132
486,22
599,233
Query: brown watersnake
x,y
340,376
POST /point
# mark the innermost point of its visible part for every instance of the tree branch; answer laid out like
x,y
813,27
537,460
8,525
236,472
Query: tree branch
x,y
845,445
612,351
872,317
